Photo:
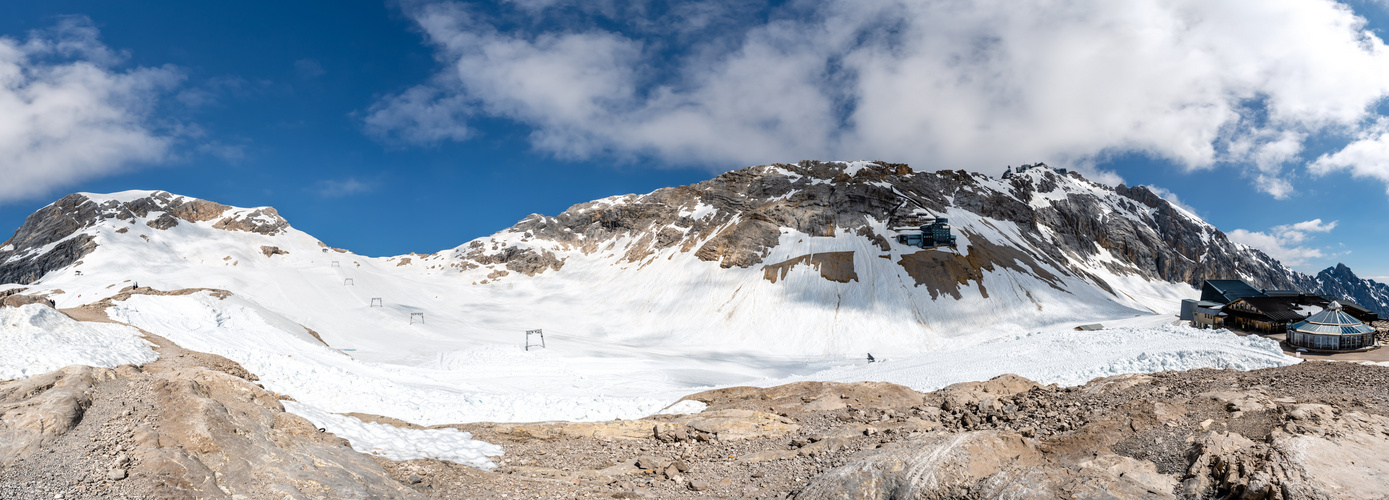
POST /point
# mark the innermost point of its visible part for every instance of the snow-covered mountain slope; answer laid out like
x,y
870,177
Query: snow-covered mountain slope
x,y
793,259
757,275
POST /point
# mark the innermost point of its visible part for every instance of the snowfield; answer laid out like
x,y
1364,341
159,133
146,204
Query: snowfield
x,y
36,339
435,340
572,381
1071,358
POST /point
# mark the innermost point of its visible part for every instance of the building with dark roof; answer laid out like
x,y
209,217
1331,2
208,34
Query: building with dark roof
x,y
1227,291
931,235
1359,312
1271,314
1208,318
1189,307
1331,330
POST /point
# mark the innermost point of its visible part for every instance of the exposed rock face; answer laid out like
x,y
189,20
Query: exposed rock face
x,y
56,224
52,238
736,219
263,220
833,266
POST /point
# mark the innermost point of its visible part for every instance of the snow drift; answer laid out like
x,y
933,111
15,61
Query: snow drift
x,y
36,339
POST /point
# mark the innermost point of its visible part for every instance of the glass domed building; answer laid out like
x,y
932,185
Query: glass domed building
x,y
1331,330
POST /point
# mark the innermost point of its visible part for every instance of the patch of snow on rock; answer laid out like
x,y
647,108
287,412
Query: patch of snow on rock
x,y
396,443
686,407
122,196
852,167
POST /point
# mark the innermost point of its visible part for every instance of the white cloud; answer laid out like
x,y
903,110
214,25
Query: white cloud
x,y
939,83
1311,226
1285,242
67,115
1366,157
421,115
335,188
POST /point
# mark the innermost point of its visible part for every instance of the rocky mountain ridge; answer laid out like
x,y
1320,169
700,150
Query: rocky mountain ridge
x,y
1039,230
1339,282
1063,218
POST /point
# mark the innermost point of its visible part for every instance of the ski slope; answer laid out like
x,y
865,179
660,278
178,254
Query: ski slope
x,y
574,382
624,338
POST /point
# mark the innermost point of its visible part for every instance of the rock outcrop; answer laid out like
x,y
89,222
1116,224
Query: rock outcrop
x,y
1275,433
190,425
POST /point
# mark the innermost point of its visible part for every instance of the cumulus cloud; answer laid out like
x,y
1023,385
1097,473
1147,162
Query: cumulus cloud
x,y
938,83
1285,242
421,115
1365,157
67,114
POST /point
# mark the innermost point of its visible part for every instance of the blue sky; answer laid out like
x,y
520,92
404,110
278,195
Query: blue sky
x,y
394,127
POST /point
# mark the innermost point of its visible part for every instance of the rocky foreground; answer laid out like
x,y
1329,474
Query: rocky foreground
x,y
193,425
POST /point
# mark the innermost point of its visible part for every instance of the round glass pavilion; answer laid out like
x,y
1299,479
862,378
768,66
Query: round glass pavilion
x,y
1331,330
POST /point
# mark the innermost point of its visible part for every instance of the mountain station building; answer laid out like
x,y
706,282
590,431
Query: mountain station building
x,y
1310,322
1331,330
924,231
1271,314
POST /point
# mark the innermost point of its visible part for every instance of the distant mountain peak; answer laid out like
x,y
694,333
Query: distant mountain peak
x,y
1338,282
